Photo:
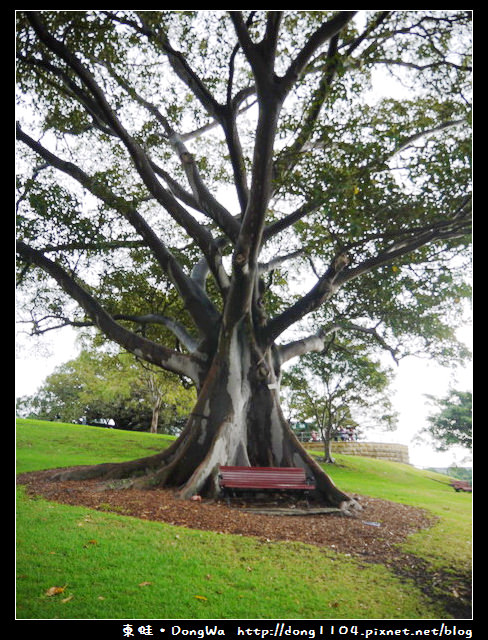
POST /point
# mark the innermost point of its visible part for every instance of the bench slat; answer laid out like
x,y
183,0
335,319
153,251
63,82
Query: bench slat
x,y
264,478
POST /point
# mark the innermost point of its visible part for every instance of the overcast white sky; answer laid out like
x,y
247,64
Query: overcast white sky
x,y
414,379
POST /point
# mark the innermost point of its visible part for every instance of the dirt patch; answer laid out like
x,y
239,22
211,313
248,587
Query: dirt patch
x,y
372,534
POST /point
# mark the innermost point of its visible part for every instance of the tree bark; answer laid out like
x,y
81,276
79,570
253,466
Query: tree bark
x,y
237,420
328,459
154,418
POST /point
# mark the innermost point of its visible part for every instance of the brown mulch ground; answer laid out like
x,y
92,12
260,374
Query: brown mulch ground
x,y
372,534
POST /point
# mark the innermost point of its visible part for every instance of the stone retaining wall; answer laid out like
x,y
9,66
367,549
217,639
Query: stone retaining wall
x,y
393,452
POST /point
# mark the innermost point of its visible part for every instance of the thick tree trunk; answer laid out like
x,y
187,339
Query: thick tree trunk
x,y
237,420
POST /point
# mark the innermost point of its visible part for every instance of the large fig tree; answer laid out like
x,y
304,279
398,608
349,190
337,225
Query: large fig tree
x,y
220,192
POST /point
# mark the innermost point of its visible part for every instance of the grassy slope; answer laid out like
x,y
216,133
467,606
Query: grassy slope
x,y
448,544
113,566
48,445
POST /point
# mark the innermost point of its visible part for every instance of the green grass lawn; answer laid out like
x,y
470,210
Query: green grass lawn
x,y
48,445
113,566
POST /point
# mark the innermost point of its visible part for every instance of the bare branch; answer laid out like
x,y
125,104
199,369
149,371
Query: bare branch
x,y
278,261
315,342
178,330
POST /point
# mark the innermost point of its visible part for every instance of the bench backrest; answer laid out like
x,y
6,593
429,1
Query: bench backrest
x,y
263,477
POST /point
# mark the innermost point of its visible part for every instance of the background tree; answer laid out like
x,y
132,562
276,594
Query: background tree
x,y
339,390
97,387
451,424
218,191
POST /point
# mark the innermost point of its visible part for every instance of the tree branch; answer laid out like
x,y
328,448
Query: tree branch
x,y
278,261
317,341
443,230
178,330
72,90
280,225
178,62
449,124
349,326
249,240
146,349
200,308
338,272
325,287
289,156
141,162
205,201
182,69
225,115
324,33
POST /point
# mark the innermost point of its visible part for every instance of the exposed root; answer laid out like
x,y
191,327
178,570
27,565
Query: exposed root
x,y
350,506
81,473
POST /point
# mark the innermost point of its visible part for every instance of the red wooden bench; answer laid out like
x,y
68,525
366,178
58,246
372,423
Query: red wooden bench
x,y
264,478
461,485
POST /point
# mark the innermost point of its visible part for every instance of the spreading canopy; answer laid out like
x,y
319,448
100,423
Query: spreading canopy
x,y
130,121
